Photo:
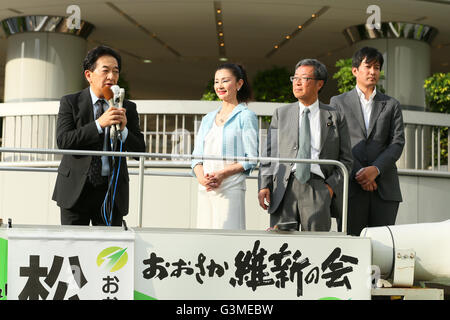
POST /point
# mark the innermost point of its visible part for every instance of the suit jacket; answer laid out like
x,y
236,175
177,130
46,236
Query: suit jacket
x,y
76,130
282,142
381,145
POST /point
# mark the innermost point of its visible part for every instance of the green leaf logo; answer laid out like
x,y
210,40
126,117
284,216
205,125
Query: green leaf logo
x,y
113,258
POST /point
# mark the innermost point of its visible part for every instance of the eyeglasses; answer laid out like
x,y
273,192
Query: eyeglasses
x,y
303,79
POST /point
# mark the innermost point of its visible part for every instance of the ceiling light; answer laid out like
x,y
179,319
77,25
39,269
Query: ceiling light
x,y
147,61
219,30
299,29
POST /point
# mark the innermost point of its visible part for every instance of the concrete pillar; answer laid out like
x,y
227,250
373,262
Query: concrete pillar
x,y
43,63
406,51
43,66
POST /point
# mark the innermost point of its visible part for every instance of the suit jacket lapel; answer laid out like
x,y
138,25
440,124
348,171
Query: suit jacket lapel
x,y
377,107
86,107
293,124
355,106
325,118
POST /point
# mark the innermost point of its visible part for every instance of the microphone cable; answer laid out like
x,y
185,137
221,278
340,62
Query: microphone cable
x,y
108,203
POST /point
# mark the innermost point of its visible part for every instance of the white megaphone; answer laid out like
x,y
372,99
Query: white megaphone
x,y
428,245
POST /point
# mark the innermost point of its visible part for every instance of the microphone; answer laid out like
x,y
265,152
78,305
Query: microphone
x,y
115,129
121,97
112,95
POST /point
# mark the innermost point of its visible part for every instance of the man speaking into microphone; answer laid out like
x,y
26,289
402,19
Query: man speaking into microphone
x,y
95,189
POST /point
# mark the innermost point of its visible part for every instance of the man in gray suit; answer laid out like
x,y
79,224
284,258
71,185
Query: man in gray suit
x,y
377,138
304,195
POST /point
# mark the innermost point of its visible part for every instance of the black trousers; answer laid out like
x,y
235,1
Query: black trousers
x,y
367,209
88,208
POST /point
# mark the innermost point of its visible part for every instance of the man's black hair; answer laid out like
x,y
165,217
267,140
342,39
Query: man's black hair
x,y
368,53
92,56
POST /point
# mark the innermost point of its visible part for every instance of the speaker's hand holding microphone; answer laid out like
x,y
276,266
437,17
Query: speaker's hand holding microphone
x,y
117,119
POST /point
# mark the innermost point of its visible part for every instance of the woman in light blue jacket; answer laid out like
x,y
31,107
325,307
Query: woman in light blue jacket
x,y
230,131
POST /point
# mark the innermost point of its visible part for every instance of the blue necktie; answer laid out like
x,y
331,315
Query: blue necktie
x,y
302,173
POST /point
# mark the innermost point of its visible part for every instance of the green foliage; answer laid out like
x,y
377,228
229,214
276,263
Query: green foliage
x,y
273,85
209,94
345,78
437,93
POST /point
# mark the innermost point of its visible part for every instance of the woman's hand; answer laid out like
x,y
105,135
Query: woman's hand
x,y
210,180
214,180
203,180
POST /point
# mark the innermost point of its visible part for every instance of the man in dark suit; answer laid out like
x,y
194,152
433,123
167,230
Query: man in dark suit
x,y
304,195
84,120
377,137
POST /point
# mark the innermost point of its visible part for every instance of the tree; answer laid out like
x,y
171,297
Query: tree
x,y
209,94
273,85
345,78
437,93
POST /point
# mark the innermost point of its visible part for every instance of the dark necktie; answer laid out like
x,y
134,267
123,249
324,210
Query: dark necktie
x,y
95,169
303,170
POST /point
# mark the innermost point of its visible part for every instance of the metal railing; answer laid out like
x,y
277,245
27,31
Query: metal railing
x,y
425,141
168,132
143,155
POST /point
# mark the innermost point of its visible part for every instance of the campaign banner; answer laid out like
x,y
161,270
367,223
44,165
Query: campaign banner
x,y
191,265
3,264
83,263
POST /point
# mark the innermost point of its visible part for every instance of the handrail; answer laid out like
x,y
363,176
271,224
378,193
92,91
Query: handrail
x,y
142,155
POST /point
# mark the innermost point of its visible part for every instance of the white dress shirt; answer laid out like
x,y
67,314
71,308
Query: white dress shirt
x,y
366,105
314,123
105,161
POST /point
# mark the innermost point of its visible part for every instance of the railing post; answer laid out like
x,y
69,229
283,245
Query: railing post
x,y
141,189
344,198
